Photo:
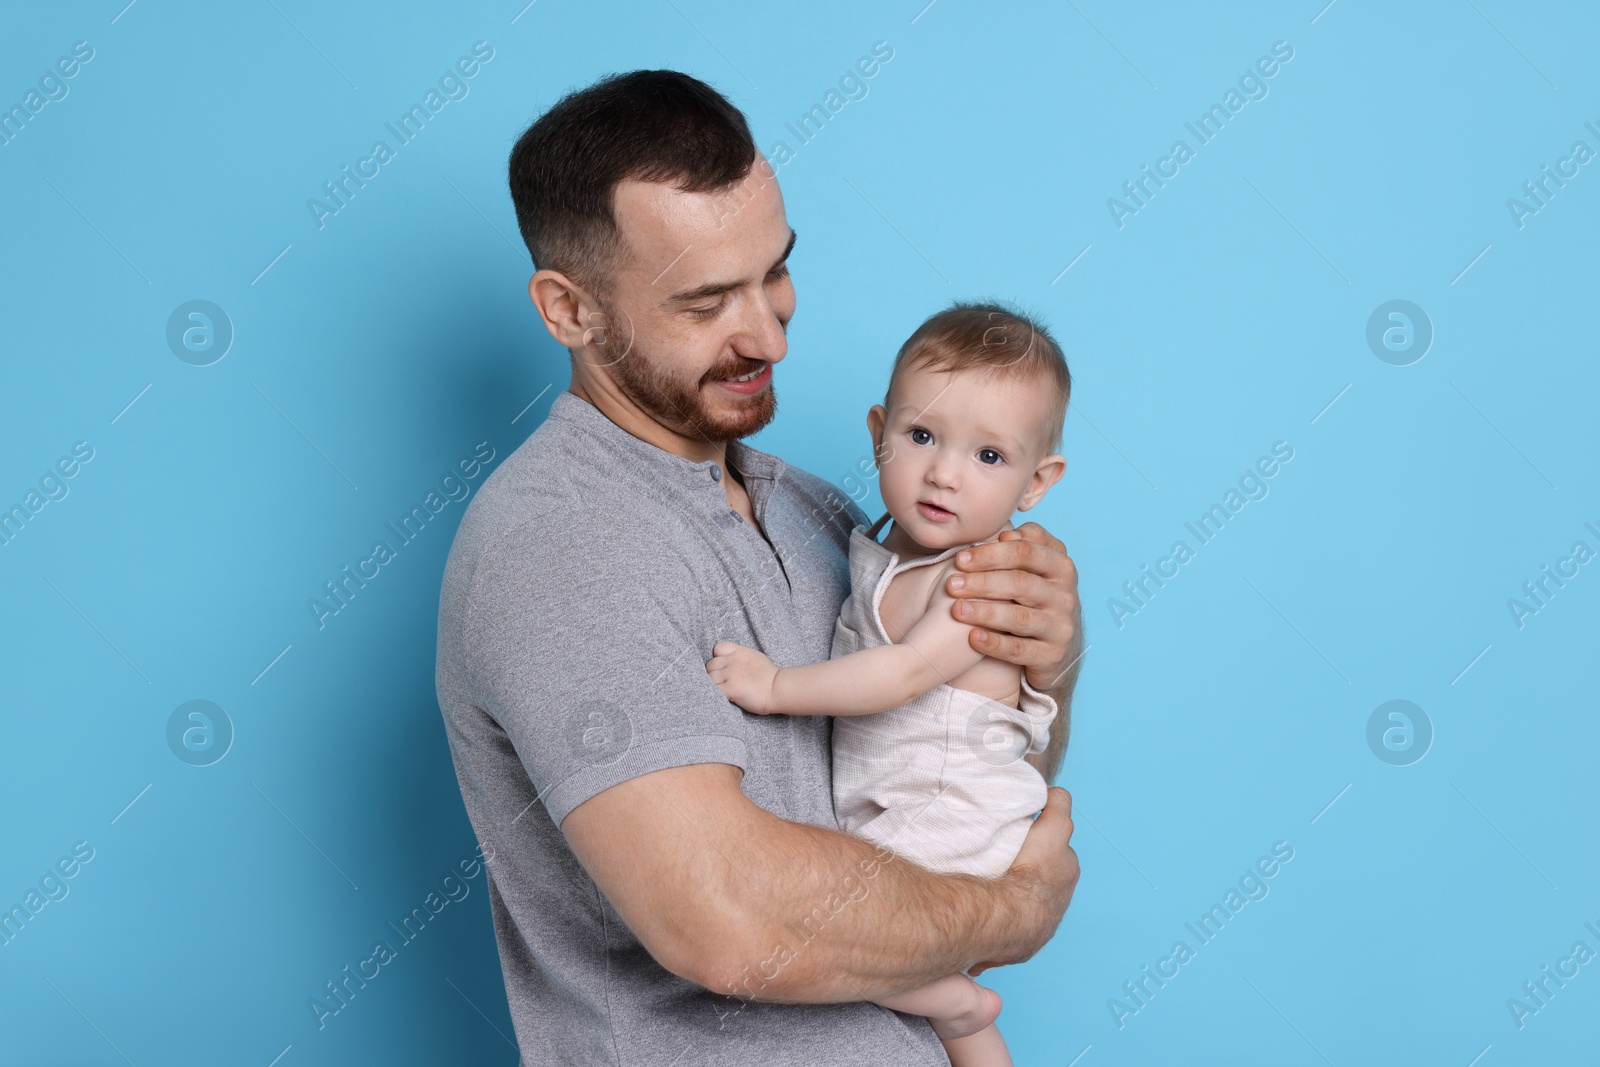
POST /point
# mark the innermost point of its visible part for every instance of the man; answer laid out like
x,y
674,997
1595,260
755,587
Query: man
x,y
667,880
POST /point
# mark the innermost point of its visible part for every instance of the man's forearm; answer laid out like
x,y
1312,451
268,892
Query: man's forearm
x,y
841,919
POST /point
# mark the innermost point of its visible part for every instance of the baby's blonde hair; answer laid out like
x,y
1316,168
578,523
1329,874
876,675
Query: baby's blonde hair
x,y
989,336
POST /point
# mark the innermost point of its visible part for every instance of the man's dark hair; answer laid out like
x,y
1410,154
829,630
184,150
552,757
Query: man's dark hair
x,y
645,125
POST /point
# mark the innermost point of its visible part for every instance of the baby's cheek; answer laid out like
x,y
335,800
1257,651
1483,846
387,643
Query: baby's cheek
x,y
903,485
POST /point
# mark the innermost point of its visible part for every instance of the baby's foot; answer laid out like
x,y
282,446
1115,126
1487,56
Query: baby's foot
x,y
983,1010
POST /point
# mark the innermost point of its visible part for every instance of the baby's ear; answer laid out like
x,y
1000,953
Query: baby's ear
x,y
877,420
1046,474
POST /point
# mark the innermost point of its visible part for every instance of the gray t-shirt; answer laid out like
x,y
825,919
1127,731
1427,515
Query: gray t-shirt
x,y
587,583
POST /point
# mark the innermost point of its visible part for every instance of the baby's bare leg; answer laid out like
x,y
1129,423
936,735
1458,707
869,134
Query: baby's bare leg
x,y
956,1005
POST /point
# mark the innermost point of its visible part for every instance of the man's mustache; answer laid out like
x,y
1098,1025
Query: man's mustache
x,y
737,372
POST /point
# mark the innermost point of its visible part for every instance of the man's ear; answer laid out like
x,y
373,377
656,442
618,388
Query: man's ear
x,y
877,419
1046,474
567,310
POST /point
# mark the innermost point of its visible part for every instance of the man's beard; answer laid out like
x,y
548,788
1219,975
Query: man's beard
x,y
680,404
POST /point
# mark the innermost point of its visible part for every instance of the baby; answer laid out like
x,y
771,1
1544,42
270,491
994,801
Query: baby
x,y
930,734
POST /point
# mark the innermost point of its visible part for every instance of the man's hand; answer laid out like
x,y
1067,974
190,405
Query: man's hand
x,y
1047,864
1020,596
745,676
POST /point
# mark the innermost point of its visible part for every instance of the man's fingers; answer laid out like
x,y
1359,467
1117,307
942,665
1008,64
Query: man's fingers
x,y
1011,649
1022,586
1050,836
1032,531
1061,798
1032,548
1012,554
1058,805
1003,615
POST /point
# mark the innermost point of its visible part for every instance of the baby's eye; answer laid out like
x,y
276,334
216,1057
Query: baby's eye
x,y
919,436
990,456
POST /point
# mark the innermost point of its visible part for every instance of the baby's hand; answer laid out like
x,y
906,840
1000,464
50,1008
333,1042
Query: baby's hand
x,y
744,675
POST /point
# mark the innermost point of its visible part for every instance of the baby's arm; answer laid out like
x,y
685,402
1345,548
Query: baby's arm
x,y
875,679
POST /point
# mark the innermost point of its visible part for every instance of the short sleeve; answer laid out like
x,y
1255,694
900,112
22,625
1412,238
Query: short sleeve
x,y
586,648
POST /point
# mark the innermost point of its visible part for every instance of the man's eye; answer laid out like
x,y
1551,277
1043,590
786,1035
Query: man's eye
x,y
919,436
706,313
990,456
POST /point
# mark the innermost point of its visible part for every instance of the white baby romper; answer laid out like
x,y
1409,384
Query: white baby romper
x,y
940,779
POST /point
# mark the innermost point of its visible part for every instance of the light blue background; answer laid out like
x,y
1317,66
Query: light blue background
x,y
1225,316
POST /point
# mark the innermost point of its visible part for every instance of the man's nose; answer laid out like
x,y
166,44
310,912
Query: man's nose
x,y
761,335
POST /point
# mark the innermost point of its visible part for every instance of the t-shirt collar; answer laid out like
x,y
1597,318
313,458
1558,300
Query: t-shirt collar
x,y
752,462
